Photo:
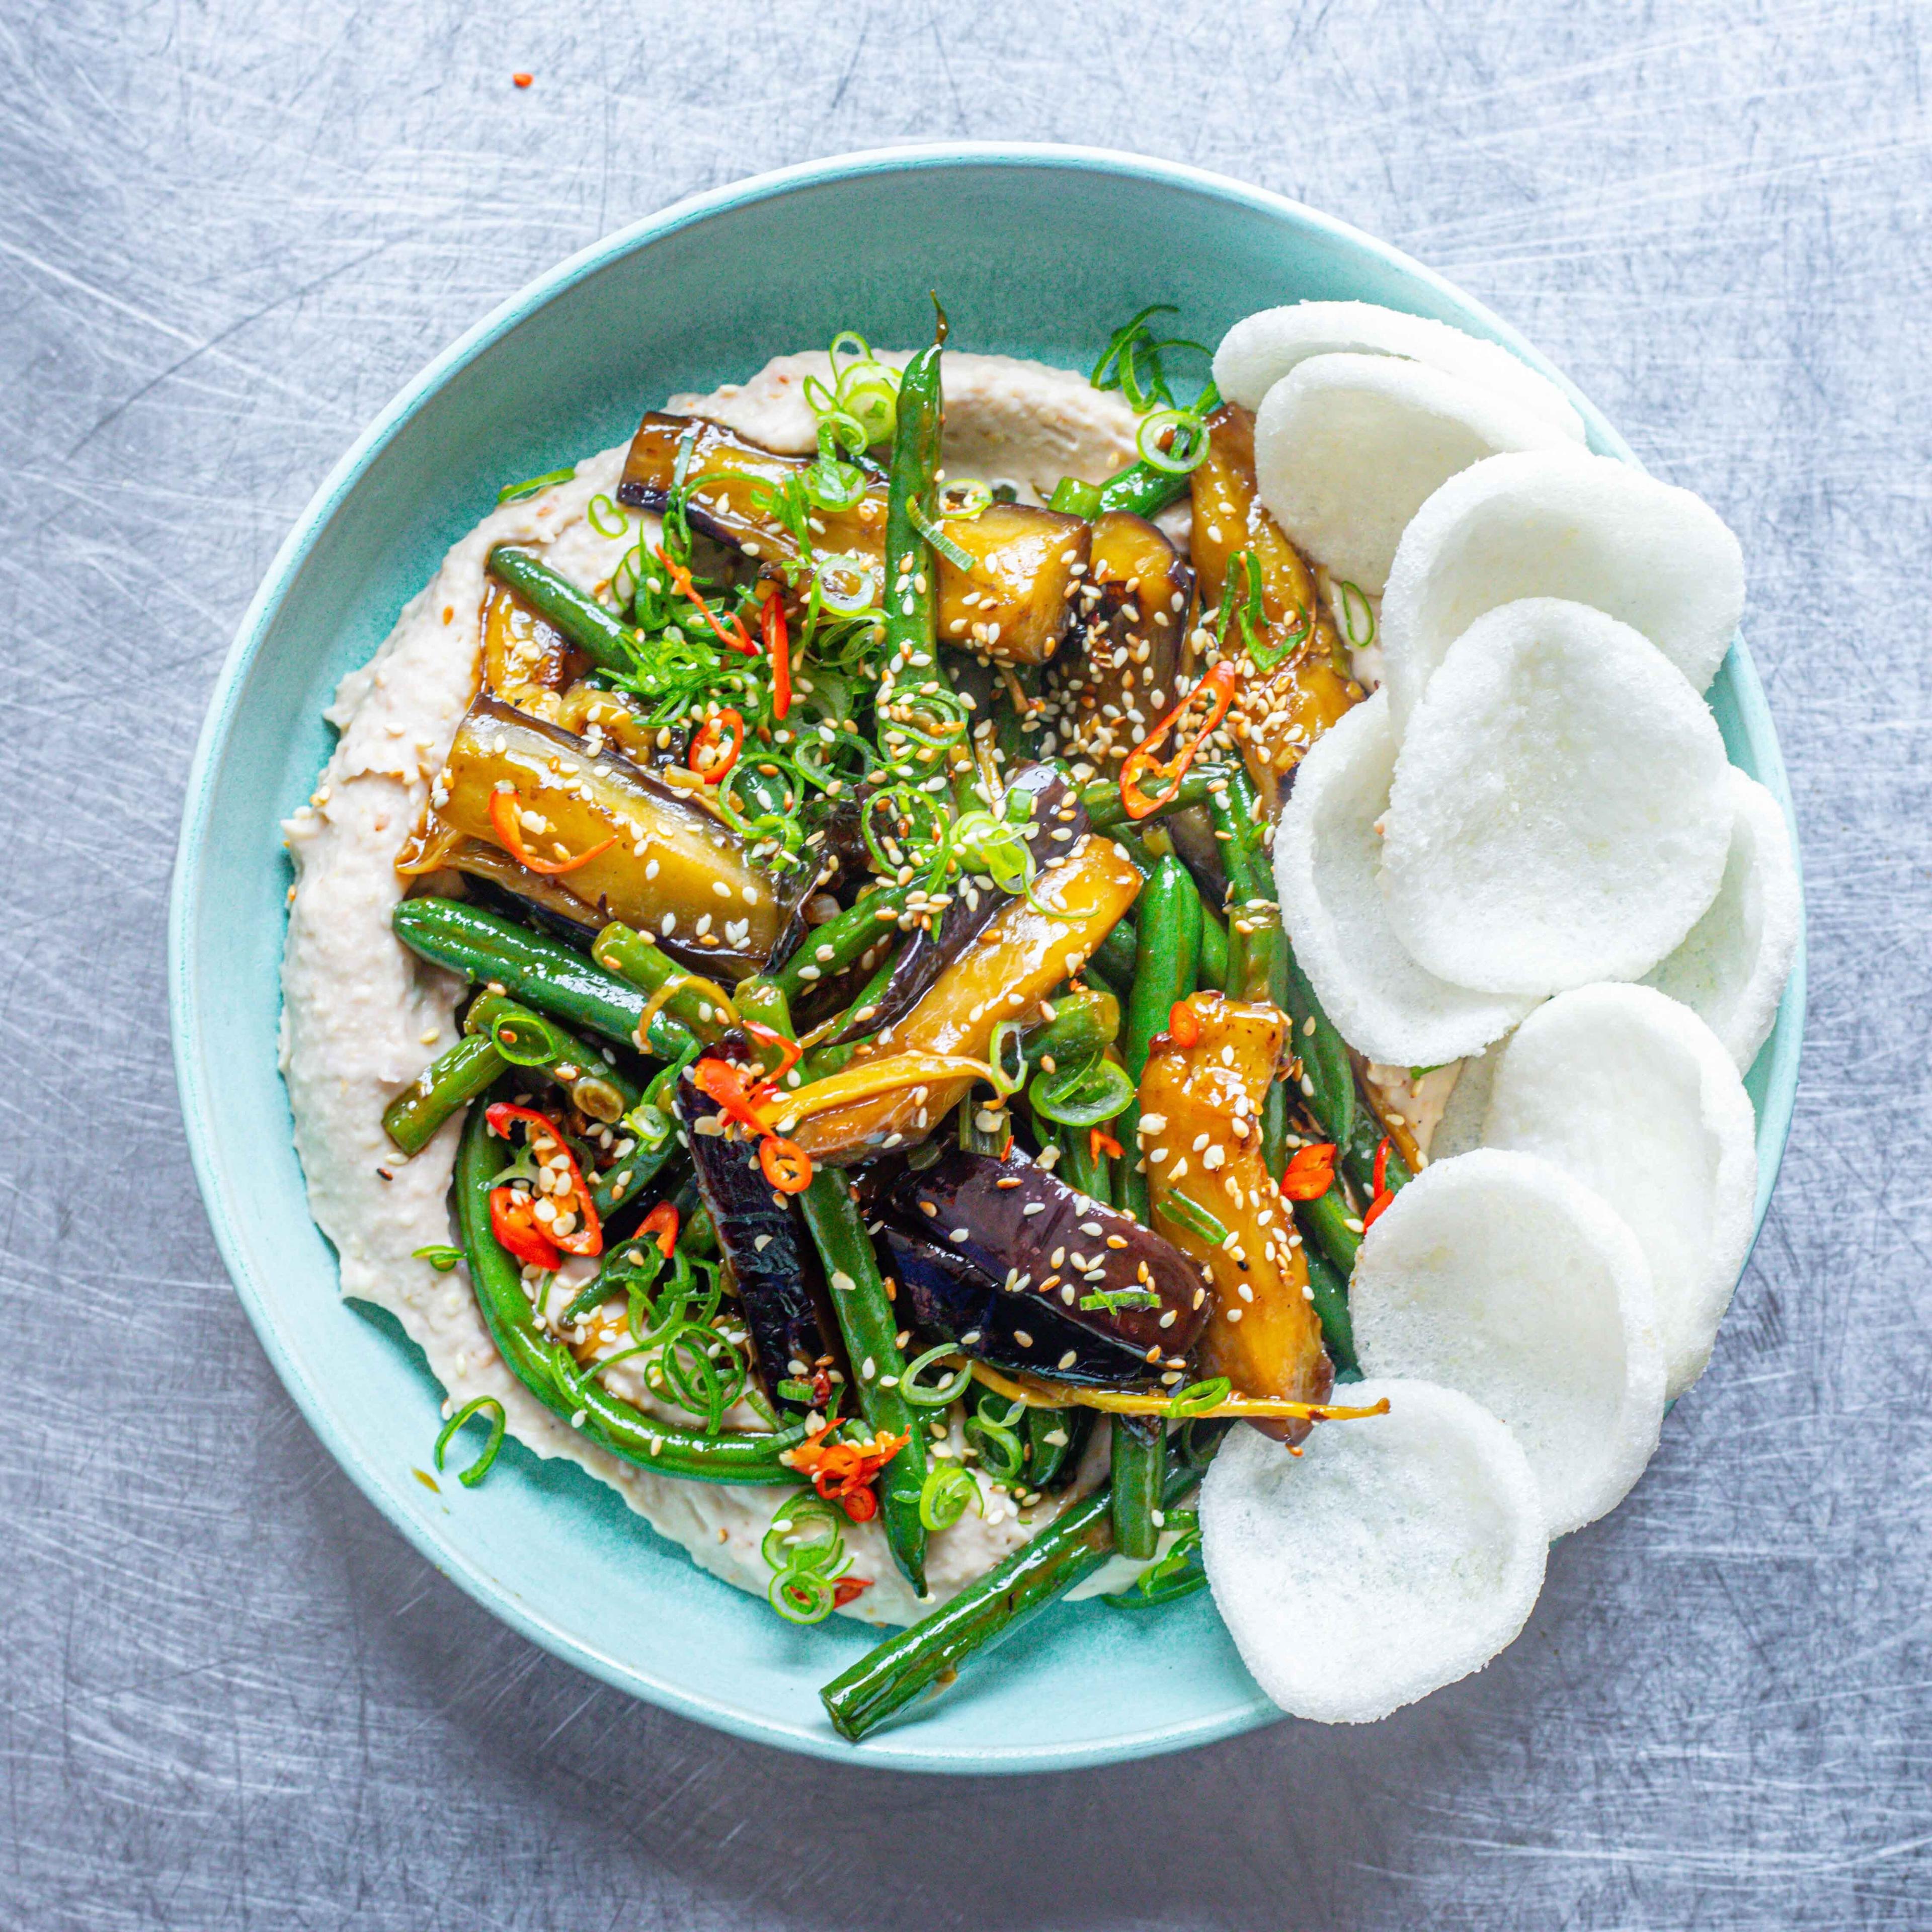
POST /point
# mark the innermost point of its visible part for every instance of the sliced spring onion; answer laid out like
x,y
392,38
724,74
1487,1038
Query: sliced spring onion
x,y
967,498
1350,596
960,559
939,1394
1189,1213
847,584
1073,498
515,493
499,1424
801,1596
1198,1398
804,1535
1187,441
943,1497
1082,1096
605,518
439,1254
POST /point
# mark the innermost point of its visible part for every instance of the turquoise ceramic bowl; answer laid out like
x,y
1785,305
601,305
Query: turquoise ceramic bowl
x,y
1036,251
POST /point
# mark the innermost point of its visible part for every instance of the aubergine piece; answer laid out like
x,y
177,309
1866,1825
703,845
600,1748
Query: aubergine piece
x,y
1057,823
731,475
780,1285
1017,602
1027,561
1132,619
670,858
1039,1245
1276,716
946,1298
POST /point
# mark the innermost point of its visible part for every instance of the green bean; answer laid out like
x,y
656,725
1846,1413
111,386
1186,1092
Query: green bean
x,y
911,616
1083,1025
759,1000
546,1368
1053,1465
1144,490
826,951
579,1068
1115,954
989,1610
542,972
1325,1221
1101,797
627,1177
598,632
1328,1077
1358,1157
451,1080
867,1322
1138,1454
636,957
1082,1169
1165,963
1140,851
1328,1290
1213,971
1327,1074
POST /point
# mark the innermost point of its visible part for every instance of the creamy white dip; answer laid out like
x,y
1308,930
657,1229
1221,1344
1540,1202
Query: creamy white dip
x,y
362,1015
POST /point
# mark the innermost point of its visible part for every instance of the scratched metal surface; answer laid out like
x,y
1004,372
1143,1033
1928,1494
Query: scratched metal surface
x,y
233,1696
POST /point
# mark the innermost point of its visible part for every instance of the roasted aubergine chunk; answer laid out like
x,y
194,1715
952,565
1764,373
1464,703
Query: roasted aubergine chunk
x,y
1117,676
1056,822
781,1286
609,839
1013,604
1214,1198
1046,1247
1305,684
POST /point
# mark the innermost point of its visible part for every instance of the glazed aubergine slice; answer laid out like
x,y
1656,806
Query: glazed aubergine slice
x,y
1054,1282
656,853
1013,605
781,1286
1278,716
1133,615
1056,822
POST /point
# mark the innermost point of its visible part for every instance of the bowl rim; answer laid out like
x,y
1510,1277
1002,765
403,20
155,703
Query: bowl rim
x,y
897,1749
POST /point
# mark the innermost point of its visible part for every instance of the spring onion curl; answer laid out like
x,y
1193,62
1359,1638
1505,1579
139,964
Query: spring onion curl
x,y
1174,441
939,1395
947,1490
499,1424
1349,595
992,1433
515,493
439,1254
1036,1393
604,517
1131,362
863,399
1082,1096
805,1548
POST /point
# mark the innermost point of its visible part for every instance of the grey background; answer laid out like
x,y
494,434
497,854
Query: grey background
x,y
233,1696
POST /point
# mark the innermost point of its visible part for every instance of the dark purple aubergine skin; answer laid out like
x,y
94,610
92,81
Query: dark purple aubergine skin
x,y
1056,808
948,1298
781,1287
958,1205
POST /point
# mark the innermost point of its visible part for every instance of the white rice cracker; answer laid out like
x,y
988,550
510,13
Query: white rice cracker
x,y
1632,1095
1260,349
1560,523
1348,447
1559,813
1498,1274
1396,1555
1731,971
1326,853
